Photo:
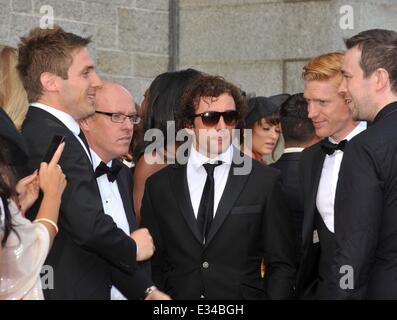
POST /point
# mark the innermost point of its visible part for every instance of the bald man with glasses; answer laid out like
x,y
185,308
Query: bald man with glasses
x,y
213,224
109,133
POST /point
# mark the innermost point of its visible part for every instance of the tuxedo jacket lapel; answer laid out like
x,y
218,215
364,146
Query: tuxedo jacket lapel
x,y
311,184
234,185
126,196
182,195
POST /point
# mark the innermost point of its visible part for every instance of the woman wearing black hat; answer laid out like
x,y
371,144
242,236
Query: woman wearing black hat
x,y
264,121
25,245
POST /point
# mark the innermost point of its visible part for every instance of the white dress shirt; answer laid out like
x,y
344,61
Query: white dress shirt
x,y
293,150
66,119
112,206
196,176
329,178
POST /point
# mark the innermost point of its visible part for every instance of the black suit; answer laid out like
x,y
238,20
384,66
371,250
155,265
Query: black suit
x,y
366,211
311,165
89,249
288,164
251,222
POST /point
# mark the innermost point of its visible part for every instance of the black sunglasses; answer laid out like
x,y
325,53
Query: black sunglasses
x,y
211,118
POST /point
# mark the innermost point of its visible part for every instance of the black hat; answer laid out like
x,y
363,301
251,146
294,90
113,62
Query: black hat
x,y
16,142
259,107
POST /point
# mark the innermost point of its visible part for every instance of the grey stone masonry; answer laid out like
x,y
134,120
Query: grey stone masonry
x,y
130,37
260,45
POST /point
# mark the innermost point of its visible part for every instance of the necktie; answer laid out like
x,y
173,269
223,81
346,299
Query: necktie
x,y
112,172
206,208
329,148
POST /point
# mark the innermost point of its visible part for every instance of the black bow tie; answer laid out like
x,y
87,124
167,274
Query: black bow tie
x,y
112,172
329,148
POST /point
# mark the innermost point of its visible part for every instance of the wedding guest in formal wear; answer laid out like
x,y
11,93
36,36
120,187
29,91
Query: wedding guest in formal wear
x,y
298,133
213,223
61,82
25,245
365,204
159,107
109,133
320,163
263,119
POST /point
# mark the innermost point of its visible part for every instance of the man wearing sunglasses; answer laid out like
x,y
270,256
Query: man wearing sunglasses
x,y
109,133
211,225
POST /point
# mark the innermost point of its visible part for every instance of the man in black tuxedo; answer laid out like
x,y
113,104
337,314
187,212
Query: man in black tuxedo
x,y
217,215
332,121
61,82
109,133
365,264
298,133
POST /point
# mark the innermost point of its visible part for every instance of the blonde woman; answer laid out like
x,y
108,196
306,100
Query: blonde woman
x,y
13,96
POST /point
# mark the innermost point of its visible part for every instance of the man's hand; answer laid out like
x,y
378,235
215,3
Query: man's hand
x,y
144,242
158,295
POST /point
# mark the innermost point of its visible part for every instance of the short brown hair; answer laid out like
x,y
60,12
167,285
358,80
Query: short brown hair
x,y
324,67
378,50
207,86
46,50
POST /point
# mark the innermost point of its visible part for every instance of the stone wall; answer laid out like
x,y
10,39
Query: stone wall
x,y
261,45
130,37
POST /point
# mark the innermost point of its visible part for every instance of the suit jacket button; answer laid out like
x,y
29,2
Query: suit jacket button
x,y
205,265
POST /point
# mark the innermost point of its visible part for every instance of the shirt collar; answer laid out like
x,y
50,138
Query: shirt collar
x,y
96,160
292,150
197,159
362,125
64,117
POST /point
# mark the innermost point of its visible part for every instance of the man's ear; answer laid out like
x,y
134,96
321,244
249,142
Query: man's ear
x,y
48,81
382,79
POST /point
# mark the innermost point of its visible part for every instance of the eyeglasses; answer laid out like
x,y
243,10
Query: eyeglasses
x,y
211,118
120,118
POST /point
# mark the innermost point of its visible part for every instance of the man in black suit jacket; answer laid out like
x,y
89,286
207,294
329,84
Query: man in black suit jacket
x,y
109,133
298,133
365,206
320,163
213,248
61,84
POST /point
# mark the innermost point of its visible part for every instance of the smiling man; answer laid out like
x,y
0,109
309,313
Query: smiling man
x,y
332,121
365,265
61,82
211,226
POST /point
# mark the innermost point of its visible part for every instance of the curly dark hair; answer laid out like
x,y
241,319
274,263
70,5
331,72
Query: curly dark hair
x,y
208,86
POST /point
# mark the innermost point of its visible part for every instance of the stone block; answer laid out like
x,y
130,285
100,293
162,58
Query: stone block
x,y
67,9
143,31
5,15
107,36
23,6
266,31
149,66
293,82
100,13
114,62
259,78
153,4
